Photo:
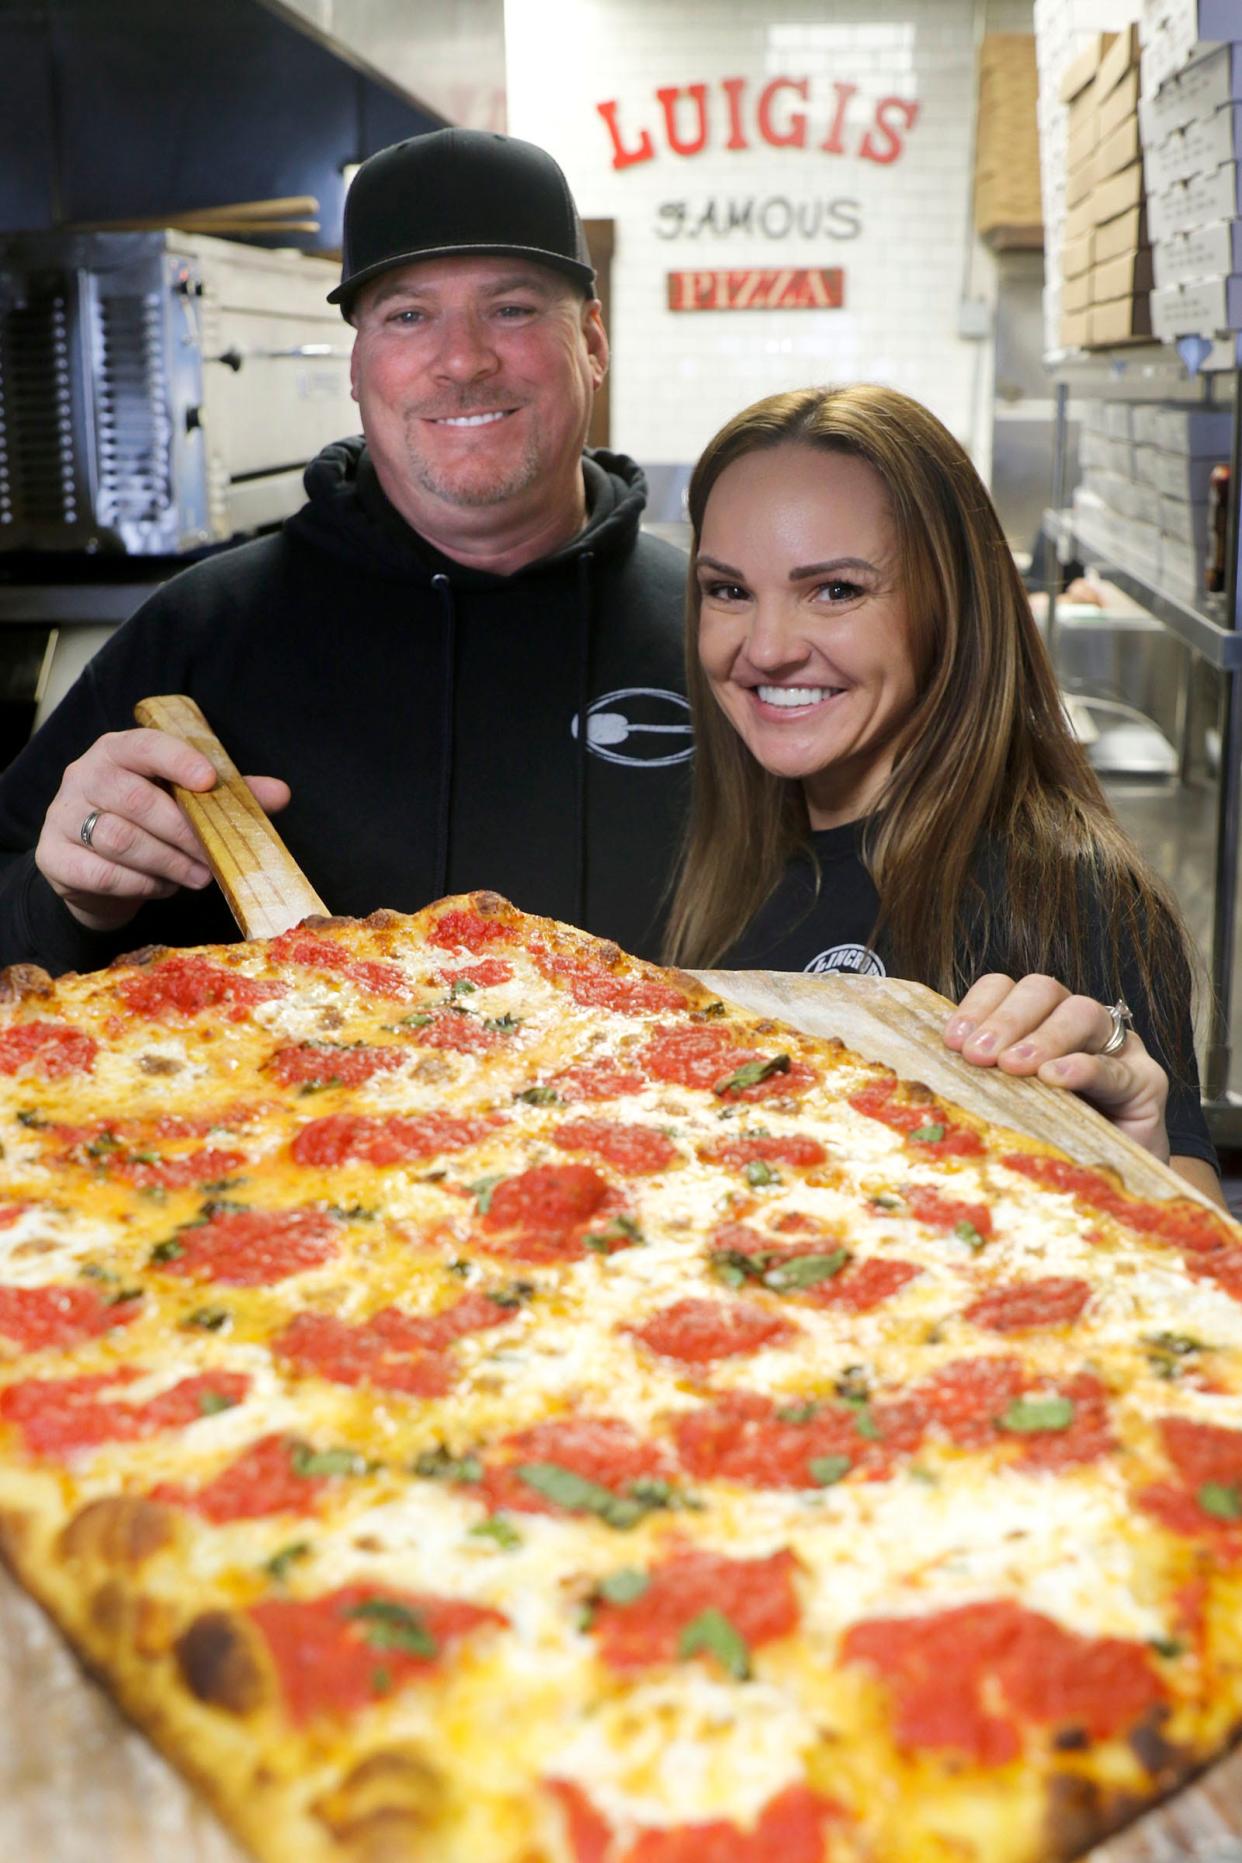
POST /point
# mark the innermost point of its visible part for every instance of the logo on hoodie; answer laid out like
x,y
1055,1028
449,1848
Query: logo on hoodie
x,y
640,725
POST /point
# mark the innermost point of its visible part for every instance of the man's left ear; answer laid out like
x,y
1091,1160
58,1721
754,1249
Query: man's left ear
x,y
596,339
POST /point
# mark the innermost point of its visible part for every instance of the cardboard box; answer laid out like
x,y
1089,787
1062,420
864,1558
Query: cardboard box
x,y
1118,150
1185,521
1079,219
1202,19
1122,55
1195,203
1074,329
1076,292
1145,464
1176,476
1118,105
1144,422
1122,277
1080,182
1119,191
1198,432
1081,70
1168,162
1076,255
1120,320
1214,80
1217,138
1119,425
1203,308
1204,252
1082,110
1126,233
1081,142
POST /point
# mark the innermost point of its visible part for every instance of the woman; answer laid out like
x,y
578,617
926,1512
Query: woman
x,y
885,779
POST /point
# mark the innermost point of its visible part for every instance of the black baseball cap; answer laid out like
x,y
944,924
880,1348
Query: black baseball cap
x,y
456,192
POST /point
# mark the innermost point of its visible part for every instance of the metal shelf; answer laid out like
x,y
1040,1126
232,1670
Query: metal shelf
x,y
1221,646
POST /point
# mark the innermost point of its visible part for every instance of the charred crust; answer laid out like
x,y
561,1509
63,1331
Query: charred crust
x,y
145,954
118,1530
326,921
220,1664
384,919
490,905
14,1531
109,1608
1081,1813
1166,1763
393,1792
1071,1740
19,981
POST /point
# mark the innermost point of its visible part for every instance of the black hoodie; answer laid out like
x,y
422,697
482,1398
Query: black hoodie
x,y
426,715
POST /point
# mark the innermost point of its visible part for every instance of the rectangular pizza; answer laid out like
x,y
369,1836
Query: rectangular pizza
x,y
474,1397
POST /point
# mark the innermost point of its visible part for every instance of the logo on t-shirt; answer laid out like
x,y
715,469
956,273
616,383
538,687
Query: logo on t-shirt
x,y
858,959
641,725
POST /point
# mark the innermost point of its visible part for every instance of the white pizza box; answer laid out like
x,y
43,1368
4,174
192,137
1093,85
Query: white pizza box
x,y
1198,433
1214,196
1144,422
1093,450
1167,162
1197,309
1211,140
1145,464
1198,19
1202,252
1186,520
1181,564
1119,420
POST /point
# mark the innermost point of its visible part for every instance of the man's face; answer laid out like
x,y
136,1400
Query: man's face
x,y
475,378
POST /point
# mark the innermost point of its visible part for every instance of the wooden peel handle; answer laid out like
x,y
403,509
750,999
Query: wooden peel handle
x,y
266,890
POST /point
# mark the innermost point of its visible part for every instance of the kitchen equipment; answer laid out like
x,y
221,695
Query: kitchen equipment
x,y
160,390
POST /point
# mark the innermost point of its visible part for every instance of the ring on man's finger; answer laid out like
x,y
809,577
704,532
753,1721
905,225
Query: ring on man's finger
x,y
1123,1021
88,828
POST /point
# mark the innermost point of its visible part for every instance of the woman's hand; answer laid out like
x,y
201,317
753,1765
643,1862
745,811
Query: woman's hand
x,y
1035,1026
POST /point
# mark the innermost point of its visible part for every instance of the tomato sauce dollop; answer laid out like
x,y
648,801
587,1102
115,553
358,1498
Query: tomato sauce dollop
x,y
263,1480
697,1331
692,1054
635,1150
791,1149
551,1212
756,1595
189,984
302,947
52,1049
36,1317
393,1350
254,1248
58,1416
972,1678
603,1450
746,1437
596,1080
470,931
484,975
595,986
1019,1305
333,1657
386,1138
945,1213
323,1063
789,1829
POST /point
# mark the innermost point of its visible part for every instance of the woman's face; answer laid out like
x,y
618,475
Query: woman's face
x,y
803,630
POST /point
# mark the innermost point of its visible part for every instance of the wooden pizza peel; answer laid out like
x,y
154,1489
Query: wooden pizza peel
x,y
79,1785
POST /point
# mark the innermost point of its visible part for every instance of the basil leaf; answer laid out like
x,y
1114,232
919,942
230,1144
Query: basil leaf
x,y
279,1563
1027,1415
927,1135
503,1024
711,1632
483,1188
625,1586
1224,1502
751,1074
620,1229
462,986
381,1681
440,1465
1166,1646
539,1096
797,1413
866,1424
167,1251
759,1173
207,1319
577,1495
497,1528
824,1470
805,1270
512,1296
309,1463
966,1232
387,1625
211,1403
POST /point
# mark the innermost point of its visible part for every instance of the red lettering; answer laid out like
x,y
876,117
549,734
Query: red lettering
x,y
733,88
833,143
795,136
779,293
871,148
746,284
668,97
621,156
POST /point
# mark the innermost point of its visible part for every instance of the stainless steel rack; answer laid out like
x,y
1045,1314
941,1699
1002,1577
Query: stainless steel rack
x,y
1211,632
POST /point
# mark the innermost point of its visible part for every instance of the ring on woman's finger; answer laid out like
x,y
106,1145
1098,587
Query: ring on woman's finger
x,y
1122,1020
88,828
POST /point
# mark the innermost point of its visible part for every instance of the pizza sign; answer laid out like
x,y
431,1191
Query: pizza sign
x,y
758,288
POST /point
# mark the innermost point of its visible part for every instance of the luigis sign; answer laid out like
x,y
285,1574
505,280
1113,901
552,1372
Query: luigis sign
x,y
733,113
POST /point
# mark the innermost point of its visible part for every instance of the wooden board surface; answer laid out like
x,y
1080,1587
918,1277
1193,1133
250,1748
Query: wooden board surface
x,y
78,1785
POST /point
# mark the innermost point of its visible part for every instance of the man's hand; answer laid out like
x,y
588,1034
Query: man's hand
x,y
1035,1026
141,845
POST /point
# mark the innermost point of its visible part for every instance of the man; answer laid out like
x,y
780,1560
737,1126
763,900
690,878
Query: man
x,y
460,660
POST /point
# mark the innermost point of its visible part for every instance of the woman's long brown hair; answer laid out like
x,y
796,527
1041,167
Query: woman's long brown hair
x,y
986,768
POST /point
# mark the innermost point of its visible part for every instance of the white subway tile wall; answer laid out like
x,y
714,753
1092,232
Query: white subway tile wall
x,y
679,375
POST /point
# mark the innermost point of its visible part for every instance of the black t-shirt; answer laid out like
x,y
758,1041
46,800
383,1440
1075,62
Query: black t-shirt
x,y
797,930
